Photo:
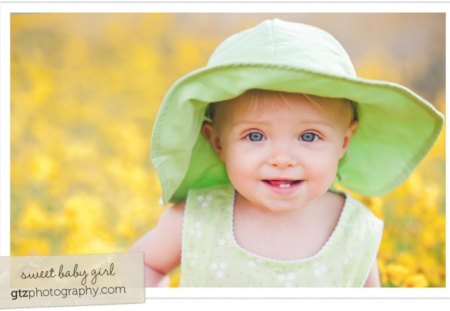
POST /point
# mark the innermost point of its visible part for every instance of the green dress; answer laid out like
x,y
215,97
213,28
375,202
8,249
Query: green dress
x,y
211,257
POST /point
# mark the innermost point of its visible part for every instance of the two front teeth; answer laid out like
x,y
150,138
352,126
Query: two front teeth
x,y
282,184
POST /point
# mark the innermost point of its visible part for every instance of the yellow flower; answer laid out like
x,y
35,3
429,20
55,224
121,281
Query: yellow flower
x,y
406,259
89,242
174,278
33,217
41,167
396,273
136,218
376,206
427,239
84,212
415,280
23,246
431,269
43,85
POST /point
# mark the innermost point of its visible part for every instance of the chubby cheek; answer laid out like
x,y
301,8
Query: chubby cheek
x,y
322,168
240,165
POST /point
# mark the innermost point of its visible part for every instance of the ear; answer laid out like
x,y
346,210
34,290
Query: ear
x,y
211,135
348,135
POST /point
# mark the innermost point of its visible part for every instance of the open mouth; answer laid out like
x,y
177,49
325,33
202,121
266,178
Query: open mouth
x,y
282,184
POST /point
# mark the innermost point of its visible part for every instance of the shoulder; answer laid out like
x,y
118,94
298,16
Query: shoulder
x,y
360,211
332,208
204,197
207,205
173,216
361,222
343,205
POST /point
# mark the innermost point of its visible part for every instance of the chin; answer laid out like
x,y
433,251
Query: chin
x,y
280,207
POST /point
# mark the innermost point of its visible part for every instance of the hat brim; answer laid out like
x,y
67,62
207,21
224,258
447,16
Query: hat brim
x,y
396,126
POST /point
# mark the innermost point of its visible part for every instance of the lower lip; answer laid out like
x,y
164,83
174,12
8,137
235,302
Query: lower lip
x,y
283,191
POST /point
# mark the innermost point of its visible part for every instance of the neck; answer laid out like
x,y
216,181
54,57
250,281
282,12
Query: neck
x,y
245,206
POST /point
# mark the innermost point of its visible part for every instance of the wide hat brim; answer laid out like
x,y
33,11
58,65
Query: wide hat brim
x,y
396,127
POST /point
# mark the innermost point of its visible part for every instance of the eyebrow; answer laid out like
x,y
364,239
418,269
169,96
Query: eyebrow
x,y
245,122
313,122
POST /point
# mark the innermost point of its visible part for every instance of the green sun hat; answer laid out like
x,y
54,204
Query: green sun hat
x,y
396,127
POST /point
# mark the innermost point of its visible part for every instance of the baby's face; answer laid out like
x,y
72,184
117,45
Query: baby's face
x,y
282,156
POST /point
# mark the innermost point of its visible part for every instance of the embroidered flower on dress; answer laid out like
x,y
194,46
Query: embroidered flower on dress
x,y
349,257
355,230
191,258
320,270
349,279
287,279
219,268
196,229
221,242
204,200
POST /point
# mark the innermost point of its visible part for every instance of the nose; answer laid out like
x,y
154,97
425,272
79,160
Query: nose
x,y
282,160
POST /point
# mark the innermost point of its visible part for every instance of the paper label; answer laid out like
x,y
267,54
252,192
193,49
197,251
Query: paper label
x,y
45,281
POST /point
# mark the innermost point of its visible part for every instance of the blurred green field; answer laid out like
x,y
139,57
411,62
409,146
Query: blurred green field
x,y
85,90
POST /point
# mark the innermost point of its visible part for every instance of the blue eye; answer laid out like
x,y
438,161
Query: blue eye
x,y
308,137
255,136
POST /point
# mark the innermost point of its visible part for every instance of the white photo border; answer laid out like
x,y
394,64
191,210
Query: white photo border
x,y
8,8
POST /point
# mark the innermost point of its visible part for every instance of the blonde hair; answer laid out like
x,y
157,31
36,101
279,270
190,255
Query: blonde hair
x,y
255,97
